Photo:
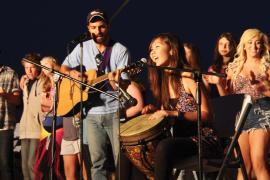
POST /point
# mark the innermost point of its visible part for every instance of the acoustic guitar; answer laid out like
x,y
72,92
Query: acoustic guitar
x,y
69,91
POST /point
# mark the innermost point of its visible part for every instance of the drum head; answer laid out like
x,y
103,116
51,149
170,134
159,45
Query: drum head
x,y
140,128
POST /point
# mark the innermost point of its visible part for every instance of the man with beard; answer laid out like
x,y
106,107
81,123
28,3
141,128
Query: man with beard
x,y
104,55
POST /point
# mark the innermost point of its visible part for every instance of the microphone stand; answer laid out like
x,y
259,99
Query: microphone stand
x,y
117,162
53,135
80,40
197,76
81,112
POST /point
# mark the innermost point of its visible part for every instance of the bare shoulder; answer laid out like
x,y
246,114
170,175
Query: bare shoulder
x,y
188,83
135,84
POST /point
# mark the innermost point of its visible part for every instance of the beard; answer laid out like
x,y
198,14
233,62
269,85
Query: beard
x,y
100,38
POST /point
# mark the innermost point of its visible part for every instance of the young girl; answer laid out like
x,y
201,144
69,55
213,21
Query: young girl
x,y
224,53
70,142
43,158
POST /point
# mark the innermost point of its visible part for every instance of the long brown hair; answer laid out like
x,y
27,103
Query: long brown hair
x,y
218,59
159,80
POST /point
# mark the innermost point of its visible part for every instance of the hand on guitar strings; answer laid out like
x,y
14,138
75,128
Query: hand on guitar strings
x,y
76,75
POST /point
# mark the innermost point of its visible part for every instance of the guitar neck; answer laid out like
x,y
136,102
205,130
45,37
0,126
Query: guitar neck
x,y
103,78
100,79
132,69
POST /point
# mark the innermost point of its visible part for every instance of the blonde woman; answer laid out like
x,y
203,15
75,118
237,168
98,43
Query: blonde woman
x,y
43,156
249,74
69,143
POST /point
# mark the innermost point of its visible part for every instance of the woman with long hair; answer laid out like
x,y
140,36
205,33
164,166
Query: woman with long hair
x,y
176,93
224,52
249,74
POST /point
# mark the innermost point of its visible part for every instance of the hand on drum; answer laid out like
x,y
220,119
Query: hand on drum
x,y
160,114
148,109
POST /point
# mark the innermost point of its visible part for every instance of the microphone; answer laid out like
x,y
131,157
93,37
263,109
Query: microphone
x,y
80,38
129,100
141,63
125,97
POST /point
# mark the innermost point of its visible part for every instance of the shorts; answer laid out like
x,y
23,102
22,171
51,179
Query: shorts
x,y
70,147
259,115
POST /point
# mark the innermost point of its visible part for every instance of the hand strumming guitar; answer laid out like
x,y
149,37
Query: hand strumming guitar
x,y
76,75
72,72
114,78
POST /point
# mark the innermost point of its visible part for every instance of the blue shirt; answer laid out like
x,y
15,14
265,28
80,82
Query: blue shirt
x,y
119,58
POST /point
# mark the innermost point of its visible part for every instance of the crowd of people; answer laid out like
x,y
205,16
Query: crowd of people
x,y
244,67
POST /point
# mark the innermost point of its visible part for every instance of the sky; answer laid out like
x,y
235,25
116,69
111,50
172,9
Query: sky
x,y
48,26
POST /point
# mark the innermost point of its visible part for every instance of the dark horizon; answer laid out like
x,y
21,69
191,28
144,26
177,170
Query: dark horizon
x,y
47,27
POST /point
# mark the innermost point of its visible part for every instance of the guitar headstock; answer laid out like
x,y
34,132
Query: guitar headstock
x,y
135,68
132,69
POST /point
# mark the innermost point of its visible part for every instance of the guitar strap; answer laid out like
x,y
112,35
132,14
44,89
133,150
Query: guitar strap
x,y
106,58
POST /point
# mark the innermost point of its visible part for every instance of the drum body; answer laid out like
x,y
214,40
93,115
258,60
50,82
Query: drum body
x,y
139,138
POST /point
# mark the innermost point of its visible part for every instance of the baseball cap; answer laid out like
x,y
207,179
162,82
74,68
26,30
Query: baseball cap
x,y
95,15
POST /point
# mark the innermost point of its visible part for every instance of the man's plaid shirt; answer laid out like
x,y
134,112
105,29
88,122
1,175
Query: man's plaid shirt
x,y
9,81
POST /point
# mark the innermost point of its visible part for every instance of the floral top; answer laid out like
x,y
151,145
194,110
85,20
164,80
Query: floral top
x,y
259,115
186,103
242,85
